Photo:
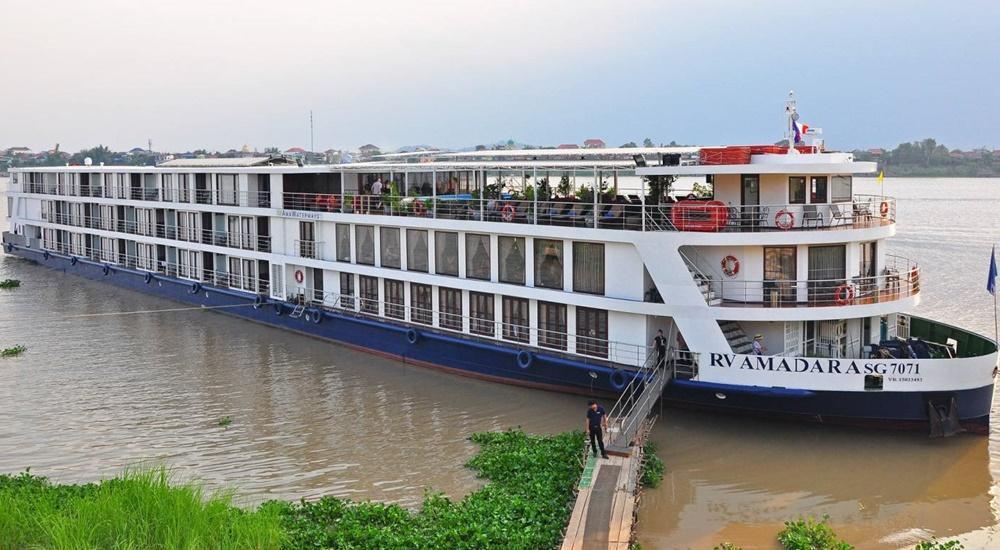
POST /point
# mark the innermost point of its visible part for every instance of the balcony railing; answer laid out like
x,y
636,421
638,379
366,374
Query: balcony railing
x,y
251,199
899,279
244,241
625,213
309,249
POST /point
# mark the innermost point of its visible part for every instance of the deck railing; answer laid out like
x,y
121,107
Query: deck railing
x,y
900,278
231,239
701,216
221,197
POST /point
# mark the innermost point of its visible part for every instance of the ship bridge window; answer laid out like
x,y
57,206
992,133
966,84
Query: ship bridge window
x,y
416,250
548,263
840,189
477,256
343,242
422,303
796,190
446,253
817,190
364,236
515,319
588,268
389,243
552,325
511,260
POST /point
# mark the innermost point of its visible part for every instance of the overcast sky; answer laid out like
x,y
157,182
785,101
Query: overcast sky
x,y
219,74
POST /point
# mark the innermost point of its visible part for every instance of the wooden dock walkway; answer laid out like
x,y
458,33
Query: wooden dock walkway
x,y
604,512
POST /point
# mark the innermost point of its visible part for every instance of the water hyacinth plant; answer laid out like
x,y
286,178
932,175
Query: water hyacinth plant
x,y
13,351
9,283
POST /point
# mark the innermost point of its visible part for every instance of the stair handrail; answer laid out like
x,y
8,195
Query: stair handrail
x,y
709,281
615,414
641,409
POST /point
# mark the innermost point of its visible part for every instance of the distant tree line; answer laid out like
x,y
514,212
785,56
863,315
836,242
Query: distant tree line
x,y
930,159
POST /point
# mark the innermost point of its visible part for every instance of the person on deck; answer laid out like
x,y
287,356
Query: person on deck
x,y
660,343
597,422
377,194
758,344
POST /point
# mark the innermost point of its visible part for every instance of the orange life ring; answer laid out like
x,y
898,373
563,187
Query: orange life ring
x,y
784,220
884,208
507,213
730,266
418,207
299,276
844,294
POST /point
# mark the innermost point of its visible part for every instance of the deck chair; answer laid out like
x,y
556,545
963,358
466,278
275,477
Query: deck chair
x,y
810,216
840,217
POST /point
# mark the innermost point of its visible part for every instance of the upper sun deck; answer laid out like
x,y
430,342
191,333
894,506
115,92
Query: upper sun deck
x,y
741,189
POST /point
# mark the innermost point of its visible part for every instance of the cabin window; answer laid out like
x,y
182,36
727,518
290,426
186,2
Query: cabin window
x,y
588,268
592,331
364,236
389,243
481,313
780,267
817,190
548,263
552,325
515,319
395,303
450,308
841,189
347,290
796,190
477,256
343,242
183,189
369,294
225,185
511,260
416,250
422,304
446,253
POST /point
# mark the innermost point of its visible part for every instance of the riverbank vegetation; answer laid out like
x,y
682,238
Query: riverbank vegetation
x,y
526,504
928,158
652,466
811,534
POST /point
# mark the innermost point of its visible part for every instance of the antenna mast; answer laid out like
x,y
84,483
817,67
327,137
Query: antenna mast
x,y
312,136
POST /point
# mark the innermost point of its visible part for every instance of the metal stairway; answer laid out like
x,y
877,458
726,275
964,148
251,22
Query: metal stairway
x,y
636,403
737,338
704,282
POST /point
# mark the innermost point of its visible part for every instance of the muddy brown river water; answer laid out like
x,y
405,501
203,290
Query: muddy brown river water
x,y
94,394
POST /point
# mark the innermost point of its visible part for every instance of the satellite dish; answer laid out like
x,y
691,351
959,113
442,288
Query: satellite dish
x,y
88,161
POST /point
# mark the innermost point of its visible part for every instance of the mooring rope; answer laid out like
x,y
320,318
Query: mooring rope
x,y
145,311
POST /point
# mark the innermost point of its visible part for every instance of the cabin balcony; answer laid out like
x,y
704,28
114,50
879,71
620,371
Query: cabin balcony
x,y
623,212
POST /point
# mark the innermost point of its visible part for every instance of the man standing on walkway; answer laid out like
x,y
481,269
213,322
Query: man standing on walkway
x,y
660,342
597,422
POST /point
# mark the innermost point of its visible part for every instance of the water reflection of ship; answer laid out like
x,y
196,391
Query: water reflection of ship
x,y
886,491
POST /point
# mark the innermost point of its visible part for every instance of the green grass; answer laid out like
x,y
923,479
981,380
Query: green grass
x,y
526,504
139,509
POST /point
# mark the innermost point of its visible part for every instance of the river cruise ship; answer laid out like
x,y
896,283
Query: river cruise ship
x,y
775,288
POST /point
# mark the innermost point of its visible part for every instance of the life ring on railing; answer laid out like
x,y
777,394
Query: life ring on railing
x,y
299,276
730,266
914,279
507,213
73,260
884,208
106,269
524,359
418,207
147,278
618,380
356,203
412,336
844,294
784,220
